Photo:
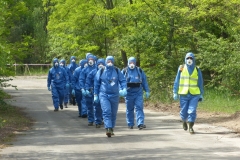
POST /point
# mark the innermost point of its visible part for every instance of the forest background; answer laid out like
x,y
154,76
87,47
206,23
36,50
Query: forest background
x,y
158,33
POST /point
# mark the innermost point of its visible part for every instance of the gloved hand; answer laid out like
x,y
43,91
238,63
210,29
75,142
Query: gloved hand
x,y
87,92
147,95
96,100
200,98
123,92
73,92
49,88
67,85
175,96
83,92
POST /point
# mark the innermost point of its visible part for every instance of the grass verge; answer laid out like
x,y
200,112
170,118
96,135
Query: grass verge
x,y
220,101
12,121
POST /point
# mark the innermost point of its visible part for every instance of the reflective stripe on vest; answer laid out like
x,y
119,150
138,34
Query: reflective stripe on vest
x,y
188,83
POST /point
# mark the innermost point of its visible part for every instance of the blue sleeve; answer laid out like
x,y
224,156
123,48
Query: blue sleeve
x,y
75,78
200,82
122,80
65,76
144,82
176,82
49,79
70,75
82,79
97,82
89,79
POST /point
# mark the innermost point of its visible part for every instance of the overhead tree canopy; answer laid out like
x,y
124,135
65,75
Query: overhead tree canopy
x,y
157,33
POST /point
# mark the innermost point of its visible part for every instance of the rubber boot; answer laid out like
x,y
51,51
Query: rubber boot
x,y
191,124
108,132
185,126
112,131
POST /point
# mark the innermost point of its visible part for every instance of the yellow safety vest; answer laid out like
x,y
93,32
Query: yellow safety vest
x,y
188,82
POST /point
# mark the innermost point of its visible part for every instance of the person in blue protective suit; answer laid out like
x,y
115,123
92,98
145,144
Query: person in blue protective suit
x,y
188,85
76,90
136,83
66,92
109,83
72,66
96,109
57,82
82,80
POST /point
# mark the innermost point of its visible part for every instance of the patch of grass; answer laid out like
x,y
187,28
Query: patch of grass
x,y
219,101
12,120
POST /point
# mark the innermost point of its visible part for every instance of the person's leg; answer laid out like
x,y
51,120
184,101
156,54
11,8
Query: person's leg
x,y
78,95
184,103
106,110
89,103
84,107
129,111
138,101
55,98
61,96
70,95
114,105
66,95
97,114
192,111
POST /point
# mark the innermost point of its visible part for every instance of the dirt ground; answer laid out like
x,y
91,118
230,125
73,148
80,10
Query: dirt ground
x,y
217,119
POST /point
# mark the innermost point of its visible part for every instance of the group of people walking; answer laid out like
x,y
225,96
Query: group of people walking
x,y
95,85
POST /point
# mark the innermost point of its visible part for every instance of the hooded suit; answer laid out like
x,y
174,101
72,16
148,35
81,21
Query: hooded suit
x,y
106,87
82,110
94,113
57,79
188,98
134,98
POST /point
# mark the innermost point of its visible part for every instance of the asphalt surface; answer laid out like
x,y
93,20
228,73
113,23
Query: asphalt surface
x,y
63,135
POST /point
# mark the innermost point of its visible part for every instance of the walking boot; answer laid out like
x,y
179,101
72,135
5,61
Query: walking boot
x,y
108,132
191,124
61,106
90,123
65,104
185,127
112,131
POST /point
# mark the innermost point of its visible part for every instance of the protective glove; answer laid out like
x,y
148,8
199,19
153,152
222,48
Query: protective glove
x,y
87,93
123,92
147,95
175,96
200,98
49,88
67,85
83,92
96,100
73,92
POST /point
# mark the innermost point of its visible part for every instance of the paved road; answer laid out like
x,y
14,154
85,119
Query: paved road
x,y
62,135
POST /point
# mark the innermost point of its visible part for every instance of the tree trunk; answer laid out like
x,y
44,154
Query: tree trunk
x,y
124,58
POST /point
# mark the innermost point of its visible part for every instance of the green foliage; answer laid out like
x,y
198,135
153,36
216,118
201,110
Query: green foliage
x,y
157,33
219,101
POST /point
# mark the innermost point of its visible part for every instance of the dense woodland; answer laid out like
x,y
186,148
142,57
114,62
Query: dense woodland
x,y
157,32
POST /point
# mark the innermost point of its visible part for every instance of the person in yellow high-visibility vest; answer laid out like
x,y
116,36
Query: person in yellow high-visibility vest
x,y
188,85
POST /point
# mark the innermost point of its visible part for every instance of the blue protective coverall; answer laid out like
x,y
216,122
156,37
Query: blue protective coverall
x,y
106,87
72,66
66,92
189,102
82,81
134,98
89,85
58,80
82,109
